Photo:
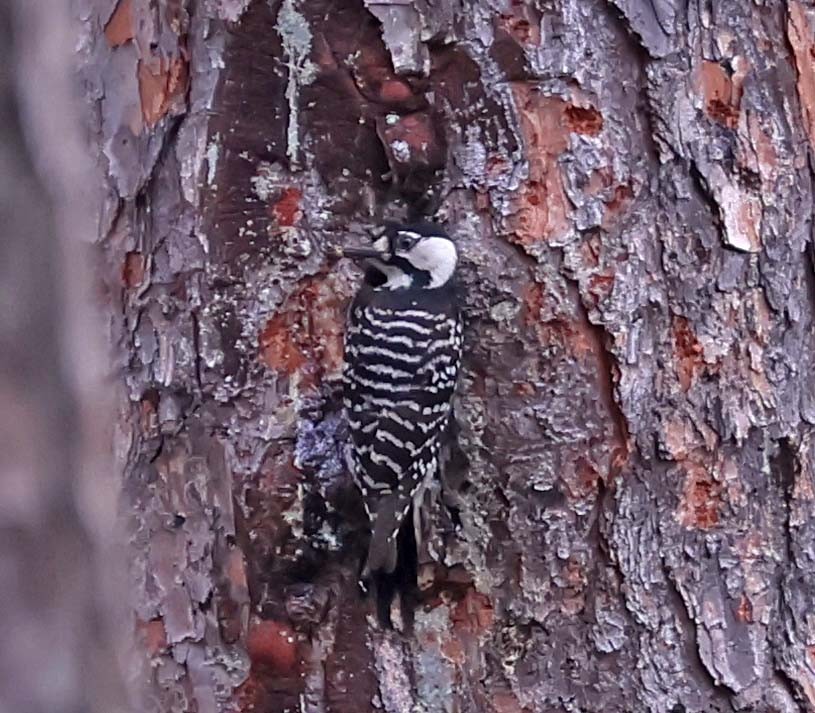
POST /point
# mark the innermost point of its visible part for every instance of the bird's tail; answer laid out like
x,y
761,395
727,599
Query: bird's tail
x,y
392,568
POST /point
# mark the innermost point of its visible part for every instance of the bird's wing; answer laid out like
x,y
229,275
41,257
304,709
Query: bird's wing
x,y
399,381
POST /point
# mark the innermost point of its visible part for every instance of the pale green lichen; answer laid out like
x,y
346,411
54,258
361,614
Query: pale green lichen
x,y
296,38
213,151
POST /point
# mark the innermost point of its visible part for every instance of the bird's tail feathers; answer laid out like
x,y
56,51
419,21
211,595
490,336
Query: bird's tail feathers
x,y
382,550
392,568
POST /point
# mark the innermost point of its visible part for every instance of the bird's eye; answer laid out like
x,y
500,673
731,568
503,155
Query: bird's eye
x,y
404,242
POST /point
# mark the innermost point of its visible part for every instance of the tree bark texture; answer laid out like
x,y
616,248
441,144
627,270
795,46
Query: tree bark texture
x,y
630,183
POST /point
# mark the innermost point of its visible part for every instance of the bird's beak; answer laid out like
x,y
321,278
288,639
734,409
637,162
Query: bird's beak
x,y
361,253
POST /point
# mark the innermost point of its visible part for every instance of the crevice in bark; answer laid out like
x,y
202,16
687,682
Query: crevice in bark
x,y
809,266
159,450
700,184
606,374
196,337
636,40
720,693
783,468
787,684
643,59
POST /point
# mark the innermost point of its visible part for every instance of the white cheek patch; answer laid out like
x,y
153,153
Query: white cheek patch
x,y
437,256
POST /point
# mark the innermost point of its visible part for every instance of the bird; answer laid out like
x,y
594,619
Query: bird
x,y
403,349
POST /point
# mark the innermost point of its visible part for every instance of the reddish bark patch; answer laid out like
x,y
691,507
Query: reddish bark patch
x,y
522,23
152,635
559,332
395,91
621,453
411,143
355,85
589,342
306,335
148,413
599,181
232,596
722,97
542,209
620,200
278,344
524,389
688,353
701,498
585,342
497,166
249,695
583,120
517,29
744,611
587,477
162,86
473,613
286,210
591,249
261,692
482,202
133,270
273,645
374,78
506,702
577,336
533,300
453,649
800,35
120,26
600,286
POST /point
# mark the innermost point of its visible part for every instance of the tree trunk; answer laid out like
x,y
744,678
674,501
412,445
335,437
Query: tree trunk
x,y
630,183
58,573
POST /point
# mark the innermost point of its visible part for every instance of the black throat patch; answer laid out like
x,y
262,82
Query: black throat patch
x,y
418,278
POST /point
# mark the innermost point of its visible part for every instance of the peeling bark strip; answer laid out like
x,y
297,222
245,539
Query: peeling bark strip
x,y
630,185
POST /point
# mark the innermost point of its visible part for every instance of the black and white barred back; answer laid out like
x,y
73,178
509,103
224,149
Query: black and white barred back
x,y
402,353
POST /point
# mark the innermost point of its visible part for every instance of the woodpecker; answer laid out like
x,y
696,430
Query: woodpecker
x,y
403,348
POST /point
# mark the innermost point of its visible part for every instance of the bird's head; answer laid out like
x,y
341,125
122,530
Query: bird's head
x,y
416,255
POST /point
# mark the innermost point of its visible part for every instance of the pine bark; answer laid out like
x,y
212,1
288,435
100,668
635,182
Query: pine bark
x,y
630,526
